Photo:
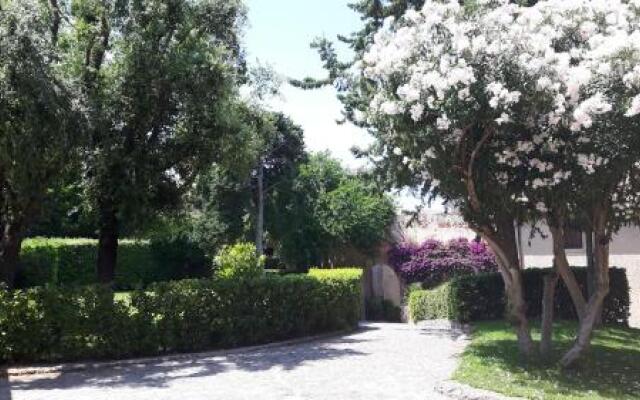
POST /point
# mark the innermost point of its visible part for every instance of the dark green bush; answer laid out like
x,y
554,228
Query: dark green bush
x,y
481,297
58,261
62,324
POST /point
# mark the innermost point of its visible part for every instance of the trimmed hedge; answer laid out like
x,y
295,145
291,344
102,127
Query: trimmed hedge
x,y
62,324
65,261
481,297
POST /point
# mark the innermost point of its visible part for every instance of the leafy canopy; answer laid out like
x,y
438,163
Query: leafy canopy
x,y
543,101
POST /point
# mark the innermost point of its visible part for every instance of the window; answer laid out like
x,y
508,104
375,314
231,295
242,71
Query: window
x,y
572,238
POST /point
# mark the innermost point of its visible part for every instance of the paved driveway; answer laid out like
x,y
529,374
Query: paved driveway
x,y
381,361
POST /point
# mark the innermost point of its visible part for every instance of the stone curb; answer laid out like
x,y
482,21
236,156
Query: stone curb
x,y
459,391
95,365
444,324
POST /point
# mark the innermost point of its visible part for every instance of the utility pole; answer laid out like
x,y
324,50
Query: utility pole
x,y
519,245
260,210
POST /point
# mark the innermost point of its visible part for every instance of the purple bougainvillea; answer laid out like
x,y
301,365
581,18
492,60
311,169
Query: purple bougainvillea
x,y
434,262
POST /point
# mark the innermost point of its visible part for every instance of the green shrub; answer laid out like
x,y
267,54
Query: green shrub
x,y
62,261
339,274
432,304
47,324
481,297
340,284
239,261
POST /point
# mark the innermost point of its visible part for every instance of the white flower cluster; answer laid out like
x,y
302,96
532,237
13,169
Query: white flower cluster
x,y
590,161
594,105
551,66
501,95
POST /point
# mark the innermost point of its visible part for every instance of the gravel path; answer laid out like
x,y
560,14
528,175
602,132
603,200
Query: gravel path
x,y
380,361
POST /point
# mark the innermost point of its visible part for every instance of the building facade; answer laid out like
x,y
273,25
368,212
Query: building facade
x,y
624,252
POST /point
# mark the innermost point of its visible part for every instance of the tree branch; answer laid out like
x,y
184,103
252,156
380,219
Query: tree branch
x,y
56,17
469,180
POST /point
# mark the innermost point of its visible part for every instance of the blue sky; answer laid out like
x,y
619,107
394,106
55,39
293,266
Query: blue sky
x,y
279,33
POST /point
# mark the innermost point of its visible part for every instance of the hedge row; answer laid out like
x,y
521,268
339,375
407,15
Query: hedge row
x,y
481,297
61,261
58,324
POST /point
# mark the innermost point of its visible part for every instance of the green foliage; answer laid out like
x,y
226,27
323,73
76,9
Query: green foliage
x,y
66,211
220,208
350,273
57,261
325,211
293,221
168,61
54,324
41,124
432,304
609,371
481,297
314,208
239,261
354,214
343,294
159,84
215,212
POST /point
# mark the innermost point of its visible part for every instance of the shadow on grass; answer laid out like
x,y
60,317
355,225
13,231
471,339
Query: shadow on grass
x,y
610,369
161,373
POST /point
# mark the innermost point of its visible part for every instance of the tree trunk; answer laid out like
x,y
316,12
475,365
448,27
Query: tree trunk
x,y
588,322
591,274
520,250
260,211
107,243
517,312
10,244
503,243
546,326
501,237
563,268
591,269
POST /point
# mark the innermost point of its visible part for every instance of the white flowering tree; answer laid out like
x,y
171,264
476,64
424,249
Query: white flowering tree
x,y
513,113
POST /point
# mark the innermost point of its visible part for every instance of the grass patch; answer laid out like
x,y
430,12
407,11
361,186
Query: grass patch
x,y
610,371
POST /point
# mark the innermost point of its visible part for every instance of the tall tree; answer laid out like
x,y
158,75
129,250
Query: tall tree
x,y
539,106
159,78
40,124
281,150
490,212
326,211
222,205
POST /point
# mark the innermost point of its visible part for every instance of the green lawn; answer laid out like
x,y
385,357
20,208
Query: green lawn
x,y
611,371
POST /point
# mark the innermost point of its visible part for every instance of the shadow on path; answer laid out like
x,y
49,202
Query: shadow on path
x,y
5,388
160,373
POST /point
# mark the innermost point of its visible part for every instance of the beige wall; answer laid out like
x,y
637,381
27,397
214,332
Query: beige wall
x,y
625,242
385,283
